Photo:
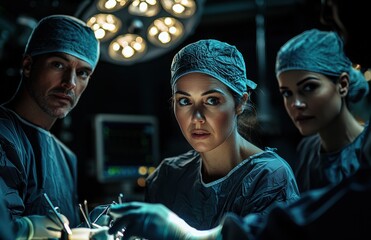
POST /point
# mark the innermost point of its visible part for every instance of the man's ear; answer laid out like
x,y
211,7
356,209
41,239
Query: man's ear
x,y
26,65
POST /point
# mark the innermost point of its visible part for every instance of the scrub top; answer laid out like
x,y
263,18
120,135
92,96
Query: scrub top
x,y
253,186
33,162
315,169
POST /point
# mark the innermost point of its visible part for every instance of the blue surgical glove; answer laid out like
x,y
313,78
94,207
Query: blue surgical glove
x,y
99,215
155,222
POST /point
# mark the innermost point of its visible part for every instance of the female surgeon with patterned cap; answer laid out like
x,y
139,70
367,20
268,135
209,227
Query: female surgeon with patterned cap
x,y
338,212
224,172
319,85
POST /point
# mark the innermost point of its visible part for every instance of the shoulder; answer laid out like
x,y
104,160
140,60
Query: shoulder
x,y
16,125
180,161
269,157
173,166
270,179
4,112
8,119
11,131
64,147
269,162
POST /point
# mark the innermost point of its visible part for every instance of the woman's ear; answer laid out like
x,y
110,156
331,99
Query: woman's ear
x,y
242,103
343,83
26,65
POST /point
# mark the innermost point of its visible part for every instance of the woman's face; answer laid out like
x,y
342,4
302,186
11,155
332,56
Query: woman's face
x,y
205,111
311,99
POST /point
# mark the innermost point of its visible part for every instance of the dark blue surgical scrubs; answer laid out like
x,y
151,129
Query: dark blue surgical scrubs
x,y
315,169
33,162
254,186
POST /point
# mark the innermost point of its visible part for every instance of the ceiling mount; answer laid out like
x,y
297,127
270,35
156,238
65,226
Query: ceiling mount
x,y
133,31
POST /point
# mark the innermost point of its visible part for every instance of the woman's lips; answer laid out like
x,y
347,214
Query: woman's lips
x,y
302,118
200,134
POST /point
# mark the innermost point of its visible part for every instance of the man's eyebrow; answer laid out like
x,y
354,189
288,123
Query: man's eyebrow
x,y
64,57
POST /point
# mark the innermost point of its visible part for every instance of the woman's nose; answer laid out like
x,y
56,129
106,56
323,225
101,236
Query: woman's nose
x,y
198,118
298,103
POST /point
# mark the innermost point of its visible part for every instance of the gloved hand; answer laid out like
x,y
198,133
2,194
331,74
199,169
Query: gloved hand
x,y
44,227
152,221
99,215
90,234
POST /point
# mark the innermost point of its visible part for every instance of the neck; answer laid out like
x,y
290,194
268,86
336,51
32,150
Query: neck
x,y
340,132
220,161
25,106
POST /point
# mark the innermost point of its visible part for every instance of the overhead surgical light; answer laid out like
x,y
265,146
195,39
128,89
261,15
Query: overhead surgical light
x,y
132,31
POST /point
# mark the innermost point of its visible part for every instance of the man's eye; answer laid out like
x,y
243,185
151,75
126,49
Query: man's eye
x,y
83,74
58,65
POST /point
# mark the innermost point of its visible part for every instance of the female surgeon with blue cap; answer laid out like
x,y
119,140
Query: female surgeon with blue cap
x,y
224,172
318,85
339,212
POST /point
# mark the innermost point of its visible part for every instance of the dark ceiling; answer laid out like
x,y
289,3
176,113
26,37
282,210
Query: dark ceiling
x,y
238,16
17,16
41,8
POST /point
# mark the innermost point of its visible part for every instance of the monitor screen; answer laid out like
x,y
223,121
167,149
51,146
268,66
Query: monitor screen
x,y
126,146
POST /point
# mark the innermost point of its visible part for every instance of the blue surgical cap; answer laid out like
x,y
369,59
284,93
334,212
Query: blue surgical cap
x,y
65,34
321,52
216,59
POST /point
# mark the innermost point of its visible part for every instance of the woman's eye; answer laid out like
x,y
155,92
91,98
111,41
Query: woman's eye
x,y
309,87
183,101
286,94
212,101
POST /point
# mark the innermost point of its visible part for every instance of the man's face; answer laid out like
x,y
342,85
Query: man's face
x,y
56,82
350,18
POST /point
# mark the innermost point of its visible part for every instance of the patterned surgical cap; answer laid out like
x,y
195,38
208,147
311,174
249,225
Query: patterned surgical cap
x,y
217,59
65,34
321,52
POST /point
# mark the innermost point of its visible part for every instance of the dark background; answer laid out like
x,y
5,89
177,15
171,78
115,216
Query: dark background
x,y
144,88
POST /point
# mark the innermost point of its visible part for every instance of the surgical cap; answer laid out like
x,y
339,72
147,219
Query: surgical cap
x,y
64,34
216,59
321,52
